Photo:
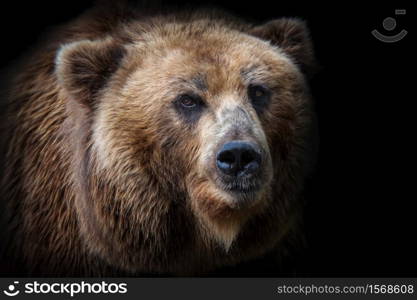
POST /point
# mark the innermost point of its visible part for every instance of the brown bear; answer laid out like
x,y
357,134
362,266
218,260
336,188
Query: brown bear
x,y
138,141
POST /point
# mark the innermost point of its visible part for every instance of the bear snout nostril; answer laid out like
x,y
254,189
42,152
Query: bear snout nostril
x,y
238,158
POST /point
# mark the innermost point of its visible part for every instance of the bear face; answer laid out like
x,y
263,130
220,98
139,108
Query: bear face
x,y
189,140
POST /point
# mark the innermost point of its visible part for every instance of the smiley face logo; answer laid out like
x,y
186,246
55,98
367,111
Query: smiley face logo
x,y
11,289
389,24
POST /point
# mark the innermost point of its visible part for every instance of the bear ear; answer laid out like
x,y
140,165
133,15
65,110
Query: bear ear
x,y
84,67
293,37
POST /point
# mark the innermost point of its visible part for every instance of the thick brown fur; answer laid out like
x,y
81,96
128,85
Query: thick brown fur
x,y
102,177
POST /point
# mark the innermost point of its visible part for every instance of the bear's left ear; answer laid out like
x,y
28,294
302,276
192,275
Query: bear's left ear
x,y
293,37
84,67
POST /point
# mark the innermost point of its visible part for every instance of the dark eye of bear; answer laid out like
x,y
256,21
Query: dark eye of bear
x,y
259,95
188,101
189,106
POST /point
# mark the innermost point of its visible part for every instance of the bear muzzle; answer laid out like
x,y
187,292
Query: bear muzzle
x,y
238,159
239,165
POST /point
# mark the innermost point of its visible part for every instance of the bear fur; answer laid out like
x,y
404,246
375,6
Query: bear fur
x,y
102,175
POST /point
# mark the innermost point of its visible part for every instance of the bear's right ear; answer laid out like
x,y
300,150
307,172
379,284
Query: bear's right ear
x,y
293,37
84,67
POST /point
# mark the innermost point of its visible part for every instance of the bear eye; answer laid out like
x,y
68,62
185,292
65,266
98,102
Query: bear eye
x,y
259,95
187,101
189,106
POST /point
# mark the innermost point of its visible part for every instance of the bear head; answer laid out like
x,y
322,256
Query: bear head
x,y
190,138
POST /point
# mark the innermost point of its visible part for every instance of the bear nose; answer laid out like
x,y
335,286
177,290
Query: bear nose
x,y
238,158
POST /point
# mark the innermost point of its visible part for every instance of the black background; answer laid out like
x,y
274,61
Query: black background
x,y
361,217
